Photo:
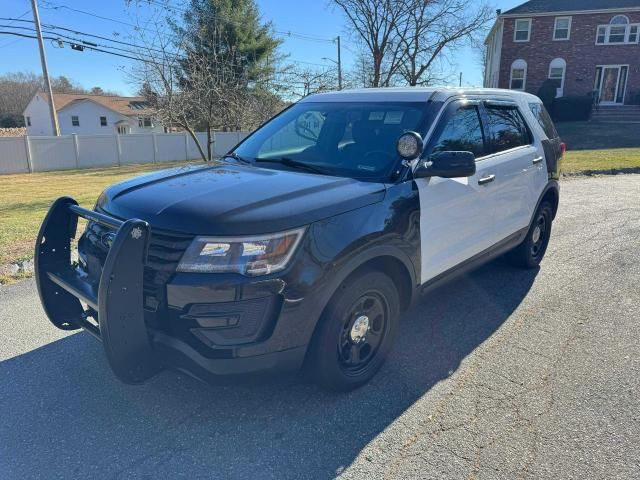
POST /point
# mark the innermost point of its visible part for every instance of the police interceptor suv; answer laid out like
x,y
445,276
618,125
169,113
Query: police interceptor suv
x,y
302,246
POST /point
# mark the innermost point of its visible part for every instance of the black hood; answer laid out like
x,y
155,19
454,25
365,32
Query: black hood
x,y
228,199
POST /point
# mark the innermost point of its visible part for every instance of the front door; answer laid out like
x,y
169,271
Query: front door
x,y
455,213
611,82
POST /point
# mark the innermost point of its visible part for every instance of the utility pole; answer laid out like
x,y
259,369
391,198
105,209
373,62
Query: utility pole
x,y
460,83
45,71
339,66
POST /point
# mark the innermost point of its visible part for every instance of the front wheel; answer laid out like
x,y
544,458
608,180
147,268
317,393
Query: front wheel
x,y
530,252
356,332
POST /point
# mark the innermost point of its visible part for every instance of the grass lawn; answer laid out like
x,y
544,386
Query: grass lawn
x,y
619,160
598,147
25,198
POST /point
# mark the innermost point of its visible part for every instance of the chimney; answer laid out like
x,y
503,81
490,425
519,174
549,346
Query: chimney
x,y
498,11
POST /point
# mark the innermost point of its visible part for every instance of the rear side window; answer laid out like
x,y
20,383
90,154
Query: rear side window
x,y
461,132
507,128
544,119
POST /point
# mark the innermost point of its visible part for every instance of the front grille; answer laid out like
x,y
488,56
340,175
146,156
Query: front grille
x,y
164,253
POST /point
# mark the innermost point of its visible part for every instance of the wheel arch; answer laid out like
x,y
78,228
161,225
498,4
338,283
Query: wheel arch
x,y
551,193
387,260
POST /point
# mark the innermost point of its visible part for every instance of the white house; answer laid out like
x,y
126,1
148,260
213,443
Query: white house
x,y
90,114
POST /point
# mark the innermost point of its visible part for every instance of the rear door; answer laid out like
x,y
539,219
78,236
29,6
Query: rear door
x,y
456,213
516,161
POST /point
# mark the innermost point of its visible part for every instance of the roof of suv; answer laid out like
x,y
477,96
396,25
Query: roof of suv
x,y
414,94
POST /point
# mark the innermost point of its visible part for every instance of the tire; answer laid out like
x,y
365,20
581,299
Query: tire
x,y
530,252
356,332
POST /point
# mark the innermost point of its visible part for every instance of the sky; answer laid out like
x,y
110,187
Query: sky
x,y
313,18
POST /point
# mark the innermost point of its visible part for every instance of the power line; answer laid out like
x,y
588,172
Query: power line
x,y
289,33
78,32
16,20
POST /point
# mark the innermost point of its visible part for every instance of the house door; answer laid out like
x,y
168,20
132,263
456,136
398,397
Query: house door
x,y
611,83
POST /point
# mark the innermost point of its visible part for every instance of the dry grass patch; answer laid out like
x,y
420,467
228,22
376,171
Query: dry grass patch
x,y
25,199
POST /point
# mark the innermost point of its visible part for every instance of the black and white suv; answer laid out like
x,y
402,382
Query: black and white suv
x,y
304,243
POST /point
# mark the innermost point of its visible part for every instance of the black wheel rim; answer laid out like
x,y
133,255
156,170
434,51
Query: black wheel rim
x,y
539,235
356,354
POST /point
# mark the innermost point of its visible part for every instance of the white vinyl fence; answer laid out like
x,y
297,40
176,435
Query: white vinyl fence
x,y
41,154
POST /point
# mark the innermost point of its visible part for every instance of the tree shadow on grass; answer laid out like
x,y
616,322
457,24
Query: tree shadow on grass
x,y
65,416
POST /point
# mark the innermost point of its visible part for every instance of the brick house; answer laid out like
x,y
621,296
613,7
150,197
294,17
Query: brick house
x,y
583,45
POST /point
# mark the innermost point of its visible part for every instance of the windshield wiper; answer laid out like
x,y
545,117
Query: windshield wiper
x,y
237,157
290,162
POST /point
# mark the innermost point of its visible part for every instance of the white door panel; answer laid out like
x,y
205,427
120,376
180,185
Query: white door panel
x,y
514,179
455,220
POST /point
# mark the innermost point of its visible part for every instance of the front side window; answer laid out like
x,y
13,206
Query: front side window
x,y
75,121
103,121
350,139
28,121
507,128
462,132
522,31
562,28
144,122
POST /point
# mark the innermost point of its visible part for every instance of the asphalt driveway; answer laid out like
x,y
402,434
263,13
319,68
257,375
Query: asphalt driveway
x,y
501,374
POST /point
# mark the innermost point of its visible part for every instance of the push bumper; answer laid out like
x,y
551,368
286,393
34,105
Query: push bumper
x,y
112,307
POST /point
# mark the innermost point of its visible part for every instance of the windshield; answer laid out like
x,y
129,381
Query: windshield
x,y
351,139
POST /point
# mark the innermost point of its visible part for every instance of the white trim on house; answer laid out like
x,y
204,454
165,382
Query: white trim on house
x,y
569,12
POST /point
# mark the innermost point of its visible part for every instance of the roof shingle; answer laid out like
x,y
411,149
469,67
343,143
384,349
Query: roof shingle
x,y
122,105
550,6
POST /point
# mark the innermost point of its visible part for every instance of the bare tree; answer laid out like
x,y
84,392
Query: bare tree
x,y
378,25
297,81
433,27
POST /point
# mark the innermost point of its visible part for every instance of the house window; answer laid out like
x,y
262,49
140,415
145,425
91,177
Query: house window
x,y
103,121
522,32
122,130
28,122
557,69
618,32
518,75
145,122
562,28
75,121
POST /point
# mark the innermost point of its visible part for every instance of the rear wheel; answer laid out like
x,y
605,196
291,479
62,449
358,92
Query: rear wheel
x,y
356,332
530,252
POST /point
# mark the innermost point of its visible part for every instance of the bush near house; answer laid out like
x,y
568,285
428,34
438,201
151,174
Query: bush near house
x,y
572,108
547,93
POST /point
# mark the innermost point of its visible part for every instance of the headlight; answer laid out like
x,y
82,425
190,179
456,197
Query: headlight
x,y
254,255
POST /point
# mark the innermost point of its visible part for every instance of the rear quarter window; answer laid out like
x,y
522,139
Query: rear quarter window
x,y
544,119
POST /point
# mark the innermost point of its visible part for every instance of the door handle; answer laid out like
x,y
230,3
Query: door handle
x,y
537,160
487,179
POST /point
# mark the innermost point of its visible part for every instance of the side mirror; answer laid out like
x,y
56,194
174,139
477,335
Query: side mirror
x,y
447,165
409,145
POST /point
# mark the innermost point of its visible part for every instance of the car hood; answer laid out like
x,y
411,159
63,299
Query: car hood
x,y
225,199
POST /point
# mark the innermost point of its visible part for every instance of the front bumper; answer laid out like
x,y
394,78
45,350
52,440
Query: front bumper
x,y
207,325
